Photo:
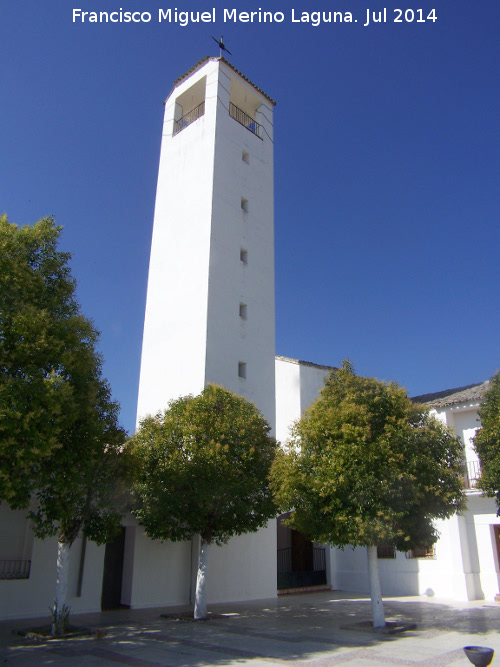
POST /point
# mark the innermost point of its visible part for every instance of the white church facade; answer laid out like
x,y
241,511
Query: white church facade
x,y
210,318
465,562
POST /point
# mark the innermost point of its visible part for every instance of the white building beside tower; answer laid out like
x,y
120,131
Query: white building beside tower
x,y
464,564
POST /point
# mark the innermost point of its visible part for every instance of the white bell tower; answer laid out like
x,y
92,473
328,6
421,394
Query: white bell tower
x,y
210,298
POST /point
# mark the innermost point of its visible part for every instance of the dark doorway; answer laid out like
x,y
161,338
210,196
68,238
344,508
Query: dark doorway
x,y
302,553
301,563
497,542
113,571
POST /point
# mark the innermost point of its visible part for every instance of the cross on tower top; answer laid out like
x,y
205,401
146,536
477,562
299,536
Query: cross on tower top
x,y
222,46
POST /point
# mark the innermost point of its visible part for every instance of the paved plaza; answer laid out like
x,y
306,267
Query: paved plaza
x,y
318,630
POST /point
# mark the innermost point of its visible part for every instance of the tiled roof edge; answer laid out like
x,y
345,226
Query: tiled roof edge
x,y
201,62
449,397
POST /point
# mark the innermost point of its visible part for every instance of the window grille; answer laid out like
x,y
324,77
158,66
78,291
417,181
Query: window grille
x,y
15,569
386,551
422,552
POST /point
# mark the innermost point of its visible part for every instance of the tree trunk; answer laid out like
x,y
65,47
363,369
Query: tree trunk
x,y
375,591
61,584
200,603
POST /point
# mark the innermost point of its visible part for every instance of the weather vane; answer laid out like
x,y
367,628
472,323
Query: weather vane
x,y
221,46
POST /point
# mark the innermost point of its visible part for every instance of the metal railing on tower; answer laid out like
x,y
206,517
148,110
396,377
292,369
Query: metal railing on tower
x,y
189,118
245,120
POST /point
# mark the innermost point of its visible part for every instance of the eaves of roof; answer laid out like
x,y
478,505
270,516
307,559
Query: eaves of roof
x,y
472,393
201,62
300,362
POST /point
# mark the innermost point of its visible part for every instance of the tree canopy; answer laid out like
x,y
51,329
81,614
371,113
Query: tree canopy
x,y
487,441
203,467
57,420
367,467
60,441
82,486
46,352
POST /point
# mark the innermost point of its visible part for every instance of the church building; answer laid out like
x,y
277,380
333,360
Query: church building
x,y
210,318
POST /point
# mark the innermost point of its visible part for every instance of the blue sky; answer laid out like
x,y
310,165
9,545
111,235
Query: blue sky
x,y
387,193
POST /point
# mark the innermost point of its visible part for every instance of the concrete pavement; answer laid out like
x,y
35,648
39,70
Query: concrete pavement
x,y
318,630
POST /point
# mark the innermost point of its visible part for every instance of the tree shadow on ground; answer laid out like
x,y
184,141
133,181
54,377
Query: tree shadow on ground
x,y
323,627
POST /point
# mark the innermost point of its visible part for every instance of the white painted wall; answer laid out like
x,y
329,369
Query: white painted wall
x,y
298,384
161,574
288,407
164,573
30,598
465,422
231,339
312,380
245,568
441,577
484,515
174,342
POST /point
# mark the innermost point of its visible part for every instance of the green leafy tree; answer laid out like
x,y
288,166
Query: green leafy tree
x,y
60,442
81,488
487,441
202,469
367,467
43,339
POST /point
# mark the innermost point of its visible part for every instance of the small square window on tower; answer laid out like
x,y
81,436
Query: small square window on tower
x,y
242,369
245,157
243,311
244,204
243,256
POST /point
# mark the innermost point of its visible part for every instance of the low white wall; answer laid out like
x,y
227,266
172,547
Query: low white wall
x,y
398,576
90,598
31,598
466,566
245,568
485,519
164,573
161,572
